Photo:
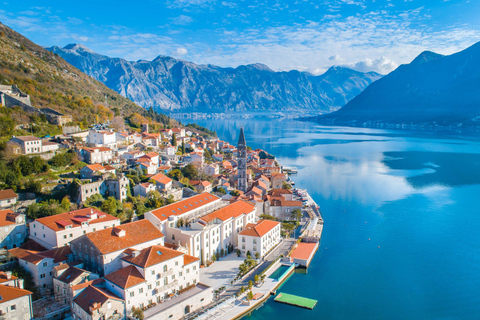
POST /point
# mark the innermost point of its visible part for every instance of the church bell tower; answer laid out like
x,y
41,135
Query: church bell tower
x,y
242,162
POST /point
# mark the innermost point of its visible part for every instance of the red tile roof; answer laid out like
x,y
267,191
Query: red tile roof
x,y
126,277
184,206
233,210
108,240
57,254
152,255
95,167
4,277
8,293
93,298
303,251
187,259
101,149
7,217
75,219
161,178
7,194
259,229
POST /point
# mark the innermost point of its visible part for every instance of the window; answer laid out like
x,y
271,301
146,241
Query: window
x,y
42,276
132,294
180,273
149,287
165,268
243,239
194,268
65,236
176,263
188,270
165,281
109,305
45,264
173,277
140,290
13,307
153,272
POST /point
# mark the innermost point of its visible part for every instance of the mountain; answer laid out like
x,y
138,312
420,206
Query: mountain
x,y
181,86
52,82
432,88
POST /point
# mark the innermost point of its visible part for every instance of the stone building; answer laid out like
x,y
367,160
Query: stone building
x,y
116,187
16,303
95,303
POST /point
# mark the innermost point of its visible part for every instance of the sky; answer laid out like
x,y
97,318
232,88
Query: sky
x,y
375,35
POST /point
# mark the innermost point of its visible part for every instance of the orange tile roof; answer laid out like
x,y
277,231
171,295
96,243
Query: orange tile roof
x,y
184,206
152,255
259,229
4,278
34,257
7,194
276,192
101,149
74,218
92,298
231,211
95,167
108,240
7,217
303,251
187,259
161,178
279,201
8,293
126,277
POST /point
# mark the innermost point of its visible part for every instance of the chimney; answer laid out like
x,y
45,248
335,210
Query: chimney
x,y
135,253
9,275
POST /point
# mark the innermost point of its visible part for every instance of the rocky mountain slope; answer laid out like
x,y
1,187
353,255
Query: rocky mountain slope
x,y
180,86
52,82
432,88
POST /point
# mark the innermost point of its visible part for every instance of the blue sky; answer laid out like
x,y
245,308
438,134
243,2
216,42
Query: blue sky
x,y
311,36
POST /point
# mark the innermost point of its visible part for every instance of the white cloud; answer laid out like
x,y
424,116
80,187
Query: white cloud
x,y
181,51
182,20
381,65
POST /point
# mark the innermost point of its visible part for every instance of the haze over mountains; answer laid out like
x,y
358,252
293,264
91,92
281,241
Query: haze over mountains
x,y
168,84
432,88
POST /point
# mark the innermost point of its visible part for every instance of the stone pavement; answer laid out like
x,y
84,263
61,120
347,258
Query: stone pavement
x,y
221,272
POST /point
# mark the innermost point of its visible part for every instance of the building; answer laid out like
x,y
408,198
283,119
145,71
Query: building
x,y
215,232
201,186
13,229
116,187
277,180
89,171
153,274
56,117
28,144
7,279
143,189
101,251
65,277
8,198
15,303
211,169
280,204
242,162
95,303
186,209
260,237
162,182
96,155
41,264
59,230
102,138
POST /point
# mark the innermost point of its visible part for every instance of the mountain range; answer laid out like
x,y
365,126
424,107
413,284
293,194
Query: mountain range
x,y
172,85
433,88
52,82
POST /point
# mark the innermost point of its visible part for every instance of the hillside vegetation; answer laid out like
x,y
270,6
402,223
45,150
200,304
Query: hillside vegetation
x,y
52,82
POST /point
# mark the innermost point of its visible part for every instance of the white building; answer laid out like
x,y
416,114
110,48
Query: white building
x,y
211,169
162,182
96,155
95,303
59,230
13,229
186,209
213,232
143,189
41,264
8,198
29,144
101,251
103,138
153,275
259,237
16,303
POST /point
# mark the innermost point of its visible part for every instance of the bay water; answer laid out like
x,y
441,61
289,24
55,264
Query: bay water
x,y
401,238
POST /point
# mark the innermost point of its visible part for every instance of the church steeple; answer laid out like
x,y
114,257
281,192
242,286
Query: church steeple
x,y
241,139
242,162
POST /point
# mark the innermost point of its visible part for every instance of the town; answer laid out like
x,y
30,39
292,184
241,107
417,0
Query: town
x,y
151,225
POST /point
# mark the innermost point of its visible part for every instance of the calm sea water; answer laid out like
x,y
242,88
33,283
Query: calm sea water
x,y
402,219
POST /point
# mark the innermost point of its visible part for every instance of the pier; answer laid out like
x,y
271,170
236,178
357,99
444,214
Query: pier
x,y
295,300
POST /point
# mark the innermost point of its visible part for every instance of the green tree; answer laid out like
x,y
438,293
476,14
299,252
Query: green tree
x,y
256,278
249,255
286,185
235,193
183,146
250,295
297,214
257,255
175,174
250,284
65,204
239,253
221,190
190,171
137,313
174,140
110,206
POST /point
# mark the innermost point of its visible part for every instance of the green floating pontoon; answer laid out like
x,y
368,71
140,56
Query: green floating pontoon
x,y
295,300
